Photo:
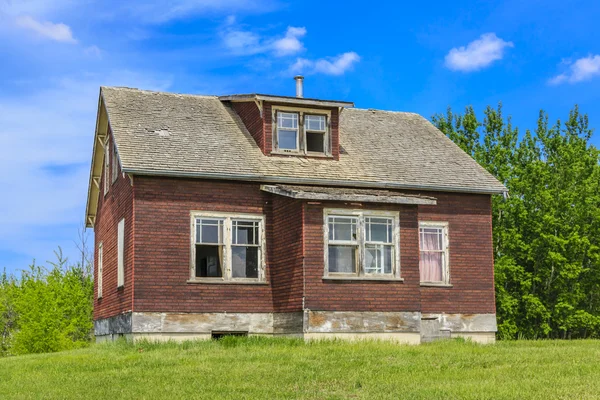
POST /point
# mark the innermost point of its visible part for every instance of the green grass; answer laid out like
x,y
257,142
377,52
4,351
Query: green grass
x,y
261,368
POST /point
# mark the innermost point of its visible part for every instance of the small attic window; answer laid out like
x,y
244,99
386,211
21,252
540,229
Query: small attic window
x,y
287,131
316,132
302,132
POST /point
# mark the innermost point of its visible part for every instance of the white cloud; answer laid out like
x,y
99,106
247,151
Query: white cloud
x,y
290,44
478,54
58,32
329,66
241,42
582,69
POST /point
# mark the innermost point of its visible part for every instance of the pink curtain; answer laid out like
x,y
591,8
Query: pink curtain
x,y
430,263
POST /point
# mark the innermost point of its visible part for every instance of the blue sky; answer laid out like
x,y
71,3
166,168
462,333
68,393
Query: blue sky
x,y
388,55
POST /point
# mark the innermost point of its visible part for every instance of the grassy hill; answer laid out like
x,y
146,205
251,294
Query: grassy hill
x,y
258,368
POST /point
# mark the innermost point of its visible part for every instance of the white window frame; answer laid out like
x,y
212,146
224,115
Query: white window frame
x,y
297,129
324,132
100,269
115,163
443,225
361,236
301,136
121,253
106,165
228,244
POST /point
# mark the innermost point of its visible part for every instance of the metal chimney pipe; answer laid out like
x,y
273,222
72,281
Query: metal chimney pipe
x,y
299,86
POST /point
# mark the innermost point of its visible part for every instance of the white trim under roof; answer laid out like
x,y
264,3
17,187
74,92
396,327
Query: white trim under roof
x,y
286,99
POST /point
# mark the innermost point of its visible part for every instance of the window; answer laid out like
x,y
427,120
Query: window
x,y
106,165
362,243
115,163
303,131
316,131
121,253
287,131
100,271
228,247
433,261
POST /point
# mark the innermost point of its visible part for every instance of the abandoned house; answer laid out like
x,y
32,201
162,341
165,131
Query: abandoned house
x,y
258,214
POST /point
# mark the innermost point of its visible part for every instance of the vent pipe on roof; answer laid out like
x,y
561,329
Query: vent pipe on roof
x,y
299,86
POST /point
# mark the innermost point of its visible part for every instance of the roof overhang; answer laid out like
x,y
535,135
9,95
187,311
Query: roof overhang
x,y
100,135
286,99
312,181
316,193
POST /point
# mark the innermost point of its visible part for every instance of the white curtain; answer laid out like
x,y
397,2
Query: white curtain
x,y
430,263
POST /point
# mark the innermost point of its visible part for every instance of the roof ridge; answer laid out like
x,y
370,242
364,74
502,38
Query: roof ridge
x,y
146,91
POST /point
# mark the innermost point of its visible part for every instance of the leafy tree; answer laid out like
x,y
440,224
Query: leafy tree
x,y
547,232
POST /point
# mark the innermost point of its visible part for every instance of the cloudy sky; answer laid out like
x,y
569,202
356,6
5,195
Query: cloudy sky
x,y
422,58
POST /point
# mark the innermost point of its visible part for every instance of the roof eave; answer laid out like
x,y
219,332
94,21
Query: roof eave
x,y
286,100
315,181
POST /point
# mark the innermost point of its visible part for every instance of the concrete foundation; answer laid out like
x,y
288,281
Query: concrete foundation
x,y
402,327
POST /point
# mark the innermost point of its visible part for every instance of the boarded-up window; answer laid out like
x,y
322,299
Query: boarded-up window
x,y
100,271
433,260
106,166
115,163
121,253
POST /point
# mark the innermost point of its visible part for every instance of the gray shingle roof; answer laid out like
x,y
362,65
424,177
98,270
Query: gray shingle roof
x,y
188,135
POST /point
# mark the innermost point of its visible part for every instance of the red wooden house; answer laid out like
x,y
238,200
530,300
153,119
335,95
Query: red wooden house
x,y
272,215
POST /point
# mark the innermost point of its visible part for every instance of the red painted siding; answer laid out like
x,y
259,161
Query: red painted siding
x,y
331,295
469,219
116,205
158,244
162,245
261,129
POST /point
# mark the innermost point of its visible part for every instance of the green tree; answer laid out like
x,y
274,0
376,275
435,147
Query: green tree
x,y
546,232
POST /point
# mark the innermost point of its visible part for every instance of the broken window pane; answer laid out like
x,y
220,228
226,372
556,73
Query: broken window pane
x,y
208,261
315,142
378,259
342,259
244,262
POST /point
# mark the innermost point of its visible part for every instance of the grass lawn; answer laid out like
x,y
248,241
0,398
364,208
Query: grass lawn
x,y
261,368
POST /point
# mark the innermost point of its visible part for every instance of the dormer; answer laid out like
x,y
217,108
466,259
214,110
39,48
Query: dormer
x,y
291,126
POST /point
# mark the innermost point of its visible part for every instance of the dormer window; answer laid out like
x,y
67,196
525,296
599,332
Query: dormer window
x,y
302,132
315,131
287,131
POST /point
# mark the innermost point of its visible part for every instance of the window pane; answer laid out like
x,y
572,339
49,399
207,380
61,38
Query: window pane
x,y
379,230
430,265
315,122
244,262
342,228
208,261
245,232
287,139
342,259
378,259
315,142
432,239
209,231
287,120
